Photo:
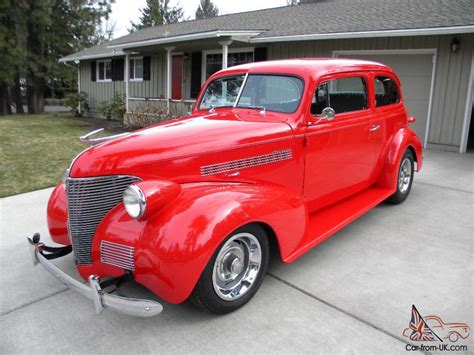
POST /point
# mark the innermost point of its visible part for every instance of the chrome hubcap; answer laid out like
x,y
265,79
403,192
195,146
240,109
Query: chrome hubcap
x,y
404,175
237,266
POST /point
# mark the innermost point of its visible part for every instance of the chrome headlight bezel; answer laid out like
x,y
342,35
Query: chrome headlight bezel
x,y
134,201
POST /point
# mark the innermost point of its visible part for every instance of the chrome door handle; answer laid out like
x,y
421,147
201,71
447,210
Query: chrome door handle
x,y
374,128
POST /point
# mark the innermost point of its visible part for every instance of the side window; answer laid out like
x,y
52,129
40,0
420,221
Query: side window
x,y
343,95
386,92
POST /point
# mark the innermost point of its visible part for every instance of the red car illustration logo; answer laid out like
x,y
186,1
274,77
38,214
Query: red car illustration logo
x,y
432,327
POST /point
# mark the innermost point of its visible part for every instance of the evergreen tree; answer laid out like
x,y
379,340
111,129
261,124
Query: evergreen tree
x,y
33,36
158,12
12,51
206,9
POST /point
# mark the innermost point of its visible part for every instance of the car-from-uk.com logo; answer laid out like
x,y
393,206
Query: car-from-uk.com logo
x,y
433,329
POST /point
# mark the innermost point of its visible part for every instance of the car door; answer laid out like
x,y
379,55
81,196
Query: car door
x,y
339,152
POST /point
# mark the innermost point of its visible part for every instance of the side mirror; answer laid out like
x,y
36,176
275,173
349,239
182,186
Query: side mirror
x,y
328,113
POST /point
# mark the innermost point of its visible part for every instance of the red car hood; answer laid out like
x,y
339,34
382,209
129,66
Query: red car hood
x,y
152,152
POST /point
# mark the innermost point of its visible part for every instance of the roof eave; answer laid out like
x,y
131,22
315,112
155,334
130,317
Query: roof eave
x,y
368,34
116,53
188,37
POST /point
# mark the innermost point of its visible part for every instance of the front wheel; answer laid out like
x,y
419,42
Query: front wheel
x,y
405,178
235,271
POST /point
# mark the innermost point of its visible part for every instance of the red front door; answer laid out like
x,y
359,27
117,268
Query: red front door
x,y
177,77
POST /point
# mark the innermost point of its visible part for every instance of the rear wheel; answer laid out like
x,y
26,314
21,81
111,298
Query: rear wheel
x,y
453,337
405,178
235,271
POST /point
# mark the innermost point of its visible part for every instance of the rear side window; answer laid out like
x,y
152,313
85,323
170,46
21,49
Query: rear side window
x,y
342,95
386,91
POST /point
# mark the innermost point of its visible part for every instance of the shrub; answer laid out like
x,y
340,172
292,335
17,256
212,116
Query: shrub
x,y
73,101
147,115
113,108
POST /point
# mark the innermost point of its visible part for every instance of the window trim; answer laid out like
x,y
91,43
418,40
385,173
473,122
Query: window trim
x,y
344,75
105,80
129,66
219,51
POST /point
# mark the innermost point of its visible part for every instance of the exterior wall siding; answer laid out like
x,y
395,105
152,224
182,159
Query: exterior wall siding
x,y
98,91
450,87
451,74
101,91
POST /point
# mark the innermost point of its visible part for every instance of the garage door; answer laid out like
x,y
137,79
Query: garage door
x,y
414,71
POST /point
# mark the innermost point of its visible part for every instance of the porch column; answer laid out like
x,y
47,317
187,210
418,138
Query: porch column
x,y
225,51
169,61
127,77
79,109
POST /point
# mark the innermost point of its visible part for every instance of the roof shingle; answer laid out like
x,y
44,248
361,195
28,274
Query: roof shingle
x,y
339,16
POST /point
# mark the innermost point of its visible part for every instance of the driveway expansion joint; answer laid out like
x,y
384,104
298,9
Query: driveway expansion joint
x,y
443,187
32,302
353,316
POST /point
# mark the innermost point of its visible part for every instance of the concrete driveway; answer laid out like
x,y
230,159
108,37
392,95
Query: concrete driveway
x,y
352,294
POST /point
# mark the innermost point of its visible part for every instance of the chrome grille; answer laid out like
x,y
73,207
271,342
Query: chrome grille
x,y
118,255
88,201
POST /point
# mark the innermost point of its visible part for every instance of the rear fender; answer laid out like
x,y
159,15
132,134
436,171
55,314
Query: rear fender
x,y
173,247
404,139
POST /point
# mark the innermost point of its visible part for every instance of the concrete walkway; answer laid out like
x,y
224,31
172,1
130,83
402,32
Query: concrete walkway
x,y
352,294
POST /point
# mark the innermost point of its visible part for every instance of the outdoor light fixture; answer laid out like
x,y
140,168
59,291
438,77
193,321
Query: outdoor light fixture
x,y
455,44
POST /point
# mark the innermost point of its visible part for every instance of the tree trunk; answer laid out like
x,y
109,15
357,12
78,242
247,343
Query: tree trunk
x,y
4,102
35,94
16,95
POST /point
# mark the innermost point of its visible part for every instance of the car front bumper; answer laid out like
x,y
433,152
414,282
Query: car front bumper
x,y
93,291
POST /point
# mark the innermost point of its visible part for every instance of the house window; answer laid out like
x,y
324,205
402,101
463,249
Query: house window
x,y
136,69
213,60
343,95
386,92
104,70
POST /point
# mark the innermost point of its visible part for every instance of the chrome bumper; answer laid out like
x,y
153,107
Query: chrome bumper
x,y
130,306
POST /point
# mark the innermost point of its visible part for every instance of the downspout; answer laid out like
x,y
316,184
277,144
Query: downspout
x,y
169,59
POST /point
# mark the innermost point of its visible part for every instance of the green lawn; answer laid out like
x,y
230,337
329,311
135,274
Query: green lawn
x,y
35,149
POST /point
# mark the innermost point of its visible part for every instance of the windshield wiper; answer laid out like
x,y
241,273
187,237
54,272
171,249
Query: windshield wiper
x,y
213,108
262,109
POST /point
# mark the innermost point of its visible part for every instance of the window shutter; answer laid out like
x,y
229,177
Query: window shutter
x,y
260,54
196,61
93,70
117,69
146,68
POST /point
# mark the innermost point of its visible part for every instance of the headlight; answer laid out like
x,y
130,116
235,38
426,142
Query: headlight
x,y
134,201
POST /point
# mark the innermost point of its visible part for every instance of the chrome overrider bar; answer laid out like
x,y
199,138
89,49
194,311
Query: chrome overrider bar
x,y
93,291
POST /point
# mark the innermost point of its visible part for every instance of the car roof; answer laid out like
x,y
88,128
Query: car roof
x,y
306,67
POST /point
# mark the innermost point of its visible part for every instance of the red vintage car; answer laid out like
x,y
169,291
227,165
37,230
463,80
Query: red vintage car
x,y
282,153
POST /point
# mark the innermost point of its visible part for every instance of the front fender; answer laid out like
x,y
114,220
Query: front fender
x,y
173,247
402,140
57,216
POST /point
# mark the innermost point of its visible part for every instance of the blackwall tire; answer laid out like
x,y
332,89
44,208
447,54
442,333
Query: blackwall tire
x,y
235,271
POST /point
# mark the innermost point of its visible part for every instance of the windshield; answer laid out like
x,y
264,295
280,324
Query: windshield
x,y
270,92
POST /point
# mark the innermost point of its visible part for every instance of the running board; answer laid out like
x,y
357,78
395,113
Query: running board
x,y
329,220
